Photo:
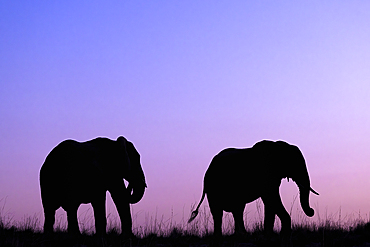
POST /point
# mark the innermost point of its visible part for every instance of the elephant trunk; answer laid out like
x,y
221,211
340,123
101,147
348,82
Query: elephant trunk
x,y
137,192
304,198
304,193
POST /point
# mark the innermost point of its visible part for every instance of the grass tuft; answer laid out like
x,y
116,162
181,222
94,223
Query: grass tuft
x,y
332,230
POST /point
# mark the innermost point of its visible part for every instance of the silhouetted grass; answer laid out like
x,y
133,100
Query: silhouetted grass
x,y
157,231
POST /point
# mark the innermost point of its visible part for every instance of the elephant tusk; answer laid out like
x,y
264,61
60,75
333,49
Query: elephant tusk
x,y
313,191
303,187
300,186
129,188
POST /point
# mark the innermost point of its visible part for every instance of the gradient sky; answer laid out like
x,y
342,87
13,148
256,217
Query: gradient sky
x,y
182,81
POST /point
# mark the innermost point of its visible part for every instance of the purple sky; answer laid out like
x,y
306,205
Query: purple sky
x,y
183,80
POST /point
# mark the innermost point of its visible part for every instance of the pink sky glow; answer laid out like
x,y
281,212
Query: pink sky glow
x,y
182,81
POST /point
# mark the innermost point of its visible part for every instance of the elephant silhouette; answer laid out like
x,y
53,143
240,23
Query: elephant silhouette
x,y
81,172
236,177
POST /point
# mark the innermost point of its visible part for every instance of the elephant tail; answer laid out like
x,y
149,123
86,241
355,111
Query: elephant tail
x,y
196,211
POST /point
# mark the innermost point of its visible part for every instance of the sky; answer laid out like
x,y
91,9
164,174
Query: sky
x,y
183,80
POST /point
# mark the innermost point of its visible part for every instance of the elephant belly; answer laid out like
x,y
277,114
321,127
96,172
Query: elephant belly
x,y
231,195
85,193
229,202
250,198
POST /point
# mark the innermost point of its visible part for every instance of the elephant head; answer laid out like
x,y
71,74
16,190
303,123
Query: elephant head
x,y
134,175
288,162
295,168
299,174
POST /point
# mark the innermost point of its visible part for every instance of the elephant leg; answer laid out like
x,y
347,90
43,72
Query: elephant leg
x,y
123,209
286,221
217,213
49,215
239,222
274,205
270,207
72,220
217,221
100,215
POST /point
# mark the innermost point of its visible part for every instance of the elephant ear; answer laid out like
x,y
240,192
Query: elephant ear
x,y
292,159
122,142
272,154
283,154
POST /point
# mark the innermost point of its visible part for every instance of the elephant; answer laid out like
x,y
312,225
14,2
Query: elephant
x,y
82,172
236,177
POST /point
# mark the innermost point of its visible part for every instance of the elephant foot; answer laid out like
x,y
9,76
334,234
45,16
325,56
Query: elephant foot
x,y
47,239
216,240
48,234
102,238
240,232
286,237
128,235
73,231
74,234
286,240
100,234
240,236
128,239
